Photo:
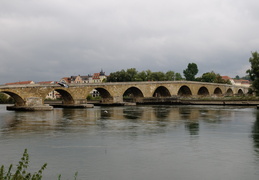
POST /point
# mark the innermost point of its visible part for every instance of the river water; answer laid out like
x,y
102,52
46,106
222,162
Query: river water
x,y
135,143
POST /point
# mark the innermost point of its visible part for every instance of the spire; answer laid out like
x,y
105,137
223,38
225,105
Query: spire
x,y
102,73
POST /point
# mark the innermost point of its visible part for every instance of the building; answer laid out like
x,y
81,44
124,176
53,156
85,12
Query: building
x,y
242,82
239,82
20,82
95,78
53,95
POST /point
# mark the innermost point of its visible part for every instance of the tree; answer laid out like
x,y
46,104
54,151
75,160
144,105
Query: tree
x,y
190,72
209,77
254,71
178,76
237,77
142,76
133,75
169,76
212,77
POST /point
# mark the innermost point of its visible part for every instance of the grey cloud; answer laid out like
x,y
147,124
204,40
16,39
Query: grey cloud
x,y
46,40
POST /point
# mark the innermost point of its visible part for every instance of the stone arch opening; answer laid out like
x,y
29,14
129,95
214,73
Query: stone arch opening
x,y
203,91
184,91
131,94
18,100
161,91
64,96
229,92
104,95
218,91
240,92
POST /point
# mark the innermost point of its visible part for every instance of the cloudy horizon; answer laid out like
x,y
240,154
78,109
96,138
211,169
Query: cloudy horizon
x,y
43,40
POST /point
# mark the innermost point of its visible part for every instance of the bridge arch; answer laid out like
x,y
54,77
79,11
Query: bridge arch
x,y
133,92
66,96
218,91
105,94
240,92
229,92
184,91
161,91
203,91
17,99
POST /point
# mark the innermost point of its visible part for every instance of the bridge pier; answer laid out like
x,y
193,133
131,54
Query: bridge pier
x,y
117,99
80,101
31,104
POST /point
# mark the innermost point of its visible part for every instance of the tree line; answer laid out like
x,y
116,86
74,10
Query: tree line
x,y
133,75
189,74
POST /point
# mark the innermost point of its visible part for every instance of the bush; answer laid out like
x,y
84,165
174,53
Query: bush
x,y
21,170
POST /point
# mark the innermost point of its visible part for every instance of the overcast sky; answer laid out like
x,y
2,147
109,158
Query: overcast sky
x,y
50,39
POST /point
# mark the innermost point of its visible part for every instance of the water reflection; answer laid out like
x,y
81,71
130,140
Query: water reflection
x,y
153,119
132,112
255,134
162,112
139,142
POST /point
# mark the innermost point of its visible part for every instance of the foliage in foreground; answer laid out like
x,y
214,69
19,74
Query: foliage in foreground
x,y
21,172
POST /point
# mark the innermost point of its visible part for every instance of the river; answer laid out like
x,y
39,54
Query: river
x,y
135,142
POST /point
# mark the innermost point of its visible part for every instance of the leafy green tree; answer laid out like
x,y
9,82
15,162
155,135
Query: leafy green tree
x,y
254,71
158,76
149,75
237,77
212,77
133,75
190,72
247,77
169,76
208,77
142,76
178,76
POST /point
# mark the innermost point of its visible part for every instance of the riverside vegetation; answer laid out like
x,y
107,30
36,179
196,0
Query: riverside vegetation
x,y
21,172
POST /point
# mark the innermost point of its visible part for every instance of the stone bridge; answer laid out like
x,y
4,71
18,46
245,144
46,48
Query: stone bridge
x,y
32,96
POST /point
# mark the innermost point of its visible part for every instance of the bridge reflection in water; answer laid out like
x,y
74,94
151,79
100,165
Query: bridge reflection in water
x,y
160,116
137,142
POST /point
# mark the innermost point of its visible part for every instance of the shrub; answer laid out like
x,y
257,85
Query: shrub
x,y
21,170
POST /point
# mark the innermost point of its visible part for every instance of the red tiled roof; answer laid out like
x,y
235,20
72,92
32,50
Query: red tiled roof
x,y
21,82
242,81
67,79
96,76
225,77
